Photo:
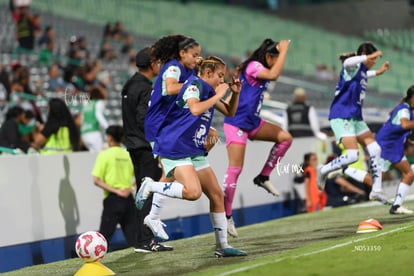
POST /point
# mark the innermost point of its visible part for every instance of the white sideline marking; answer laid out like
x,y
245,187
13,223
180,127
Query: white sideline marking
x,y
314,252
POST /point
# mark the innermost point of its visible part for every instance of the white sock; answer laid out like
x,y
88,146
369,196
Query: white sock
x,y
350,157
374,151
219,222
157,203
401,193
171,189
358,175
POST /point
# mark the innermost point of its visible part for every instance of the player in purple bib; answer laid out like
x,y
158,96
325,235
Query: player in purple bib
x,y
346,120
180,144
264,65
178,53
392,137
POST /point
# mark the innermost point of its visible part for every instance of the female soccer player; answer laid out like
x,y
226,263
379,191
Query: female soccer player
x,y
188,121
346,114
265,64
179,55
392,137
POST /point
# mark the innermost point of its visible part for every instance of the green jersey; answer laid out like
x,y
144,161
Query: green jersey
x,y
90,122
115,168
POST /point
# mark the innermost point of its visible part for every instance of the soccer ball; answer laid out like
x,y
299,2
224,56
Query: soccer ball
x,y
91,246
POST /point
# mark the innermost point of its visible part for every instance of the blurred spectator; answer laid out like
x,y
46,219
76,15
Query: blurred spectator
x,y
86,76
4,84
28,129
323,72
93,121
47,39
74,62
118,32
108,29
74,55
23,78
10,136
341,191
104,80
128,44
25,25
59,134
107,52
47,44
314,198
83,51
302,118
55,81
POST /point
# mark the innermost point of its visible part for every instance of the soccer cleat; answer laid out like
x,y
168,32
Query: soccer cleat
x,y
263,181
231,228
157,228
153,247
379,196
335,173
143,249
229,252
143,192
397,210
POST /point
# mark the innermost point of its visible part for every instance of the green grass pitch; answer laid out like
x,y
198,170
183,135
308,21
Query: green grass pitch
x,y
322,243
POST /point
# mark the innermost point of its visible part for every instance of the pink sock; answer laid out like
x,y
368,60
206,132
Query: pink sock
x,y
229,186
276,153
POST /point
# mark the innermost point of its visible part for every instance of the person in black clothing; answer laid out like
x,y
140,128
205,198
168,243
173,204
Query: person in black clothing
x,y
10,137
135,96
302,118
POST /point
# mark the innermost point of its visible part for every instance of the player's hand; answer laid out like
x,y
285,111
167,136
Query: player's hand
x,y
235,85
385,66
221,90
283,46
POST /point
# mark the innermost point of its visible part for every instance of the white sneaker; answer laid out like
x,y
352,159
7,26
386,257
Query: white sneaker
x,y
379,196
157,228
397,210
231,228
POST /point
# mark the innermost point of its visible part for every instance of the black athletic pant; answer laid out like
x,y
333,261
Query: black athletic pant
x,y
144,165
120,210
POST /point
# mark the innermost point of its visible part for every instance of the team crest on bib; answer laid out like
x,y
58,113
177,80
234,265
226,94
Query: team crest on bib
x,y
200,136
